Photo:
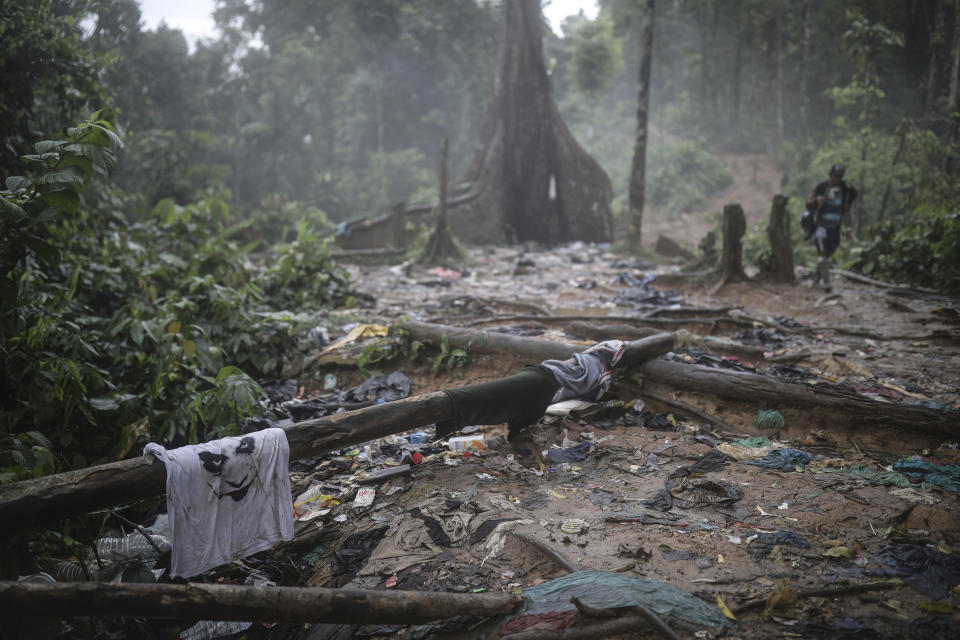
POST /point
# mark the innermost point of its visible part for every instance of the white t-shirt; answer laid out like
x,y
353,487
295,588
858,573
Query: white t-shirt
x,y
226,499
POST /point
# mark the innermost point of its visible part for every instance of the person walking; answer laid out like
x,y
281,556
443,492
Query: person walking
x,y
830,205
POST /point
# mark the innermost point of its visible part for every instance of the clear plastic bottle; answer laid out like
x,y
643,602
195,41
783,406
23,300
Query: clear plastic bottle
x,y
70,572
211,629
134,544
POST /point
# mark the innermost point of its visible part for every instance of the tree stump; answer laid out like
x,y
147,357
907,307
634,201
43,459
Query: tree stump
x,y
778,231
734,226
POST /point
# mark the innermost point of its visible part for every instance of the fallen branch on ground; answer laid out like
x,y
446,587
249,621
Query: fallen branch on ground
x,y
254,604
826,592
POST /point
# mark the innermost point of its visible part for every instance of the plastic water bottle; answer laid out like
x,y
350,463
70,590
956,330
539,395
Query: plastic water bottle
x,y
131,545
70,572
210,629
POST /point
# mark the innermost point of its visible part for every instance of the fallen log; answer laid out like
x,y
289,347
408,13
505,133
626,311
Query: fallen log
x,y
253,604
664,324
769,392
62,495
735,385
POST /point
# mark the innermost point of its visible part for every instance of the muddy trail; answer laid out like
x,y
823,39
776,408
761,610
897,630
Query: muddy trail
x,y
802,527
703,514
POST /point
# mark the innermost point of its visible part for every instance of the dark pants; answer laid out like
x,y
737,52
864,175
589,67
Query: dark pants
x,y
827,246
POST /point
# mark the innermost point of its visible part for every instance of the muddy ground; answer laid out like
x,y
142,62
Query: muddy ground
x,y
803,530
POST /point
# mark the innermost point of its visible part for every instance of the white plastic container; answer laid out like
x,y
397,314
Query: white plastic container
x,y
463,443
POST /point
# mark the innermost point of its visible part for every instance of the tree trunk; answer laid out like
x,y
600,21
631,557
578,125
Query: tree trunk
x,y
705,53
804,68
952,95
937,31
734,226
253,604
638,170
441,249
778,27
535,181
737,64
778,231
901,141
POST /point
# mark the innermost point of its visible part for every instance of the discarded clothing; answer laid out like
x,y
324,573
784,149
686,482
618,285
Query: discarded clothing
x,y
642,294
769,339
553,621
608,590
601,497
785,459
846,629
704,358
882,478
486,528
519,400
763,545
784,536
587,374
755,443
354,551
576,453
942,475
713,493
379,387
705,492
749,448
927,570
403,545
226,499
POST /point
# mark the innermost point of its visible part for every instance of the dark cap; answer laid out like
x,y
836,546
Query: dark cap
x,y
838,170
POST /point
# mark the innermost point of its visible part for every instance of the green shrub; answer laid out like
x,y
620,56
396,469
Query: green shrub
x,y
683,177
923,249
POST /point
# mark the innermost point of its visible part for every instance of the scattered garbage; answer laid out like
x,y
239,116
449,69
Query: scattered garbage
x,y
574,526
131,545
785,459
941,475
212,629
464,443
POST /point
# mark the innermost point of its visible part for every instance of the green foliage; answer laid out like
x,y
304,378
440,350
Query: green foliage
x,y
683,176
48,76
449,357
922,249
277,220
112,332
596,56
303,276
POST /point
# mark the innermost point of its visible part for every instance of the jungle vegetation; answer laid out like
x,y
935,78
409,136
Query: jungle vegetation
x,y
145,178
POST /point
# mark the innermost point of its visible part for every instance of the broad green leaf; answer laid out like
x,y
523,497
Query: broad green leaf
x,y
174,327
105,403
41,157
15,183
189,348
43,250
48,146
66,200
62,176
11,211
84,164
